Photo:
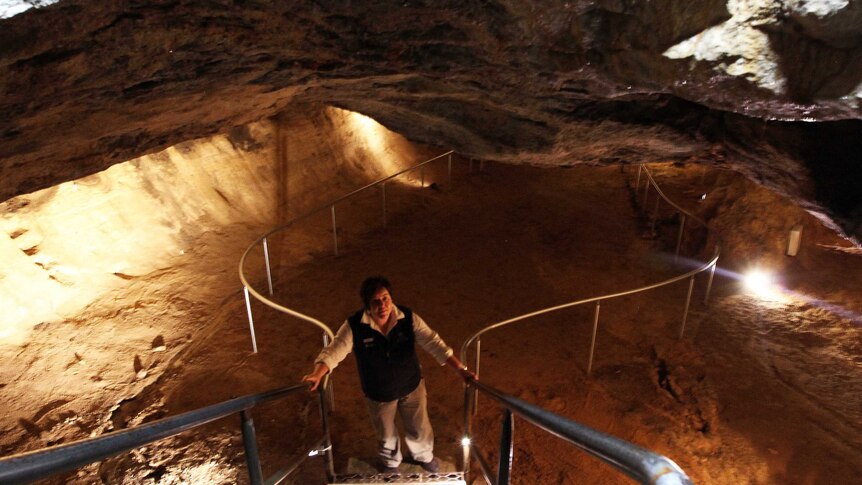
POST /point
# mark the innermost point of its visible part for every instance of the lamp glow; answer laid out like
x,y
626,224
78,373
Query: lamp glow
x,y
465,441
759,282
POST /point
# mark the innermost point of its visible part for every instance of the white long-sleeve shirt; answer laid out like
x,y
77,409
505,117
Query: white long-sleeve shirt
x,y
426,337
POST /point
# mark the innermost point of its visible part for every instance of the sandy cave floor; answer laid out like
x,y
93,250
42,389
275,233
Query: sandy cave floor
x,y
752,394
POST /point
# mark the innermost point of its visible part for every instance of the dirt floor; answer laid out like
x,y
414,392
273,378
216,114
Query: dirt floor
x,y
756,391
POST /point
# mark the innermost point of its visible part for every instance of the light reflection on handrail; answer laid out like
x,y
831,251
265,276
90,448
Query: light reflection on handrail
x,y
639,463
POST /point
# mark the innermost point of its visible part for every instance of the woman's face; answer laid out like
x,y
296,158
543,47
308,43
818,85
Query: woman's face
x,y
381,306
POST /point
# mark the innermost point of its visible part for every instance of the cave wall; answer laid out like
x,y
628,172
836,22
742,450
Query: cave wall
x,y
107,280
66,246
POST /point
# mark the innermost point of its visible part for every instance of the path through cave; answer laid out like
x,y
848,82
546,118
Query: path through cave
x,y
494,244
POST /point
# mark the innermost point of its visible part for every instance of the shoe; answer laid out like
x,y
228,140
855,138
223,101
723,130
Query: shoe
x,y
383,468
432,466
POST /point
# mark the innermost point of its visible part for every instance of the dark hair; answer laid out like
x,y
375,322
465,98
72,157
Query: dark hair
x,y
372,285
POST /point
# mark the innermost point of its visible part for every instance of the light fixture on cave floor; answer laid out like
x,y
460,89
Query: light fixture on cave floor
x,y
761,283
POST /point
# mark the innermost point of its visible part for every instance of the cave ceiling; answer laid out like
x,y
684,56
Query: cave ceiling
x,y
770,88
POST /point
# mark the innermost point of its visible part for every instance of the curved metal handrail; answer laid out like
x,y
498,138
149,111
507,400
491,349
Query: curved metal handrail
x,y
40,464
681,277
250,289
690,274
641,464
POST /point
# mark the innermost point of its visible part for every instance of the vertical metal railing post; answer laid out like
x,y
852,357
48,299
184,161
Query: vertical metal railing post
x,y
646,194
504,468
687,304
468,434
679,237
249,441
327,442
334,231
595,331
638,183
422,176
476,371
383,191
250,319
655,212
449,169
268,268
709,283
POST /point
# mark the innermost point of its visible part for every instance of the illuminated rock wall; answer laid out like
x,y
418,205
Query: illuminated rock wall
x,y
106,279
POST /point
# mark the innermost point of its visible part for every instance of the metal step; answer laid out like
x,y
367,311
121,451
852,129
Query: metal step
x,y
360,471
454,478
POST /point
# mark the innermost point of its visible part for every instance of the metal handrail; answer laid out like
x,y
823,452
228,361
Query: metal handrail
x,y
249,289
35,465
711,264
639,463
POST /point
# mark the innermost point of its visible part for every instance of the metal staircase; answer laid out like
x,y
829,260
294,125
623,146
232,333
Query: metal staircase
x,y
642,465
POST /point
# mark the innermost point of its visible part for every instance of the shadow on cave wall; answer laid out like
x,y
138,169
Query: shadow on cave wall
x,y
815,70
831,151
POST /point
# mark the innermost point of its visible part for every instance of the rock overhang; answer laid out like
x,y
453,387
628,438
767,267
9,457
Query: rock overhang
x,y
86,85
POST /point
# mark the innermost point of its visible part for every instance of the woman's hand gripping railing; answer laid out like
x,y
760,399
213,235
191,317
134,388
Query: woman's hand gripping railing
x,y
642,465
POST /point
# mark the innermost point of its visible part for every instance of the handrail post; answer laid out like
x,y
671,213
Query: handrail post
x,y
504,468
468,434
250,319
709,283
638,183
646,193
449,169
655,212
679,237
595,331
422,176
383,189
327,442
249,441
268,268
334,231
687,303
476,371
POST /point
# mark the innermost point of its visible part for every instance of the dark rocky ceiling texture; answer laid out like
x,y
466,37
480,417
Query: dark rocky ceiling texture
x,y
86,84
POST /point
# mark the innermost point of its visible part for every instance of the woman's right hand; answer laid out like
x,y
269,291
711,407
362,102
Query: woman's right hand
x,y
313,379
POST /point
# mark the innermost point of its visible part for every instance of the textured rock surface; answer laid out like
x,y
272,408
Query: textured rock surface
x,y
88,84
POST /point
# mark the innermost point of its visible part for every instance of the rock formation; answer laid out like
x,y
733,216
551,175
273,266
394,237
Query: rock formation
x,y
89,84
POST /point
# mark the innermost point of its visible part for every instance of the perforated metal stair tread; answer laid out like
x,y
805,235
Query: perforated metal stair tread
x,y
362,471
397,478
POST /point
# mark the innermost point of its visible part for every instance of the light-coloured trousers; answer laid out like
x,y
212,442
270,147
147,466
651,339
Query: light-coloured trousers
x,y
418,434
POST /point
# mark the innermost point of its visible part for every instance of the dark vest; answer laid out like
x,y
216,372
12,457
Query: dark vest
x,y
388,366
